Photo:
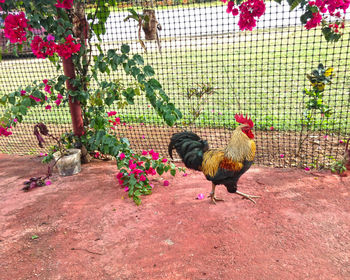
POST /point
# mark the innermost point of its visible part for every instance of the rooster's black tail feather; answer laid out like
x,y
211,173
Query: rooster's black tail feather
x,y
190,148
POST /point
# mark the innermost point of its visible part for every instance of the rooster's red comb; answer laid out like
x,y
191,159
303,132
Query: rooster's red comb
x,y
244,120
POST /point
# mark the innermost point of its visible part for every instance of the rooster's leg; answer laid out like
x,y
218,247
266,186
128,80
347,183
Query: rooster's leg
x,y
248,196
214,199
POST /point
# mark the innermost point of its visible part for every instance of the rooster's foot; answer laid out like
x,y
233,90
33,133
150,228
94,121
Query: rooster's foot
x,y
248,196
213,198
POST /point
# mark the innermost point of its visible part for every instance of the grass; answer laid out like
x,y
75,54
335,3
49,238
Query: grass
x,y
261,73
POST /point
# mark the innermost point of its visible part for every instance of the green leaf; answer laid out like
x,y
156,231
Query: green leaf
x,y
173,172
139,59
294,4
125,49
148,70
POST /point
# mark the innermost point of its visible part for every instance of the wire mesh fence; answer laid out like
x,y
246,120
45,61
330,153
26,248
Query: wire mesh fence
x,y
212,70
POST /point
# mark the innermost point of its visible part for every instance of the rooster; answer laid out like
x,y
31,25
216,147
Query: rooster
x,y
220,166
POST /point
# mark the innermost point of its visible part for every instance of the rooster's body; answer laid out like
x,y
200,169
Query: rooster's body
x,y
220,166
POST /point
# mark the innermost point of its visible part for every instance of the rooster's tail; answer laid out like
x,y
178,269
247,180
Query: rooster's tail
x,y
190,148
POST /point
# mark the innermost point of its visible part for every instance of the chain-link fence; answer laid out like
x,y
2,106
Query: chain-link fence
x,y
212,70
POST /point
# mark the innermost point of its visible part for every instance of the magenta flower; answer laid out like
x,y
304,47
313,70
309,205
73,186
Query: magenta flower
x,y
272,128
48,89
142,178
58,102
235,12
166,183
14,28
117,120
59,96
155,156
164,160
15,120
325,137
230,6
120,175
281,155
48,183
4,131
307,169
132,166
48,107
126,189
143,137
111,113
200,196
23,92
35,98
45,81
144,153
151,185
341,141
97,154
50,37
64,4
185,174
121,156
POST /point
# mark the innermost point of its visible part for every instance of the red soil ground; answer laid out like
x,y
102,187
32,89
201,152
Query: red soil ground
x,y
88,229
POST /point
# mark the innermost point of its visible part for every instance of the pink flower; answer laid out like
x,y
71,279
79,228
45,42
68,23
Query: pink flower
x,y
48,107
48,183
69,47
14,28
59,96
120,175
230,6
325,137
151,152
121,156
132,166
64,4
341,141
35,98
2,1
42,49
45,81
48,89
126,189
272,128
111,113
200,196
235,12
4,131
314,21
307,169
15,120
166,183
144,153
151,185
142,124
185,174
58,102
50,37
155,156
117,120
143,136
164,160
281,155
142,178
97,154
23,92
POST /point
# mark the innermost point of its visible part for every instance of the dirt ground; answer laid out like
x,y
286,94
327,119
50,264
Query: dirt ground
x,y
87,228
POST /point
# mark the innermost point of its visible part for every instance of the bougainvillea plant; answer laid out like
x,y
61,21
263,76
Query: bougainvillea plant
x,y
330,14
65,40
